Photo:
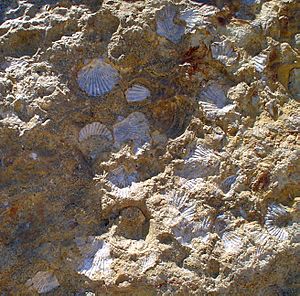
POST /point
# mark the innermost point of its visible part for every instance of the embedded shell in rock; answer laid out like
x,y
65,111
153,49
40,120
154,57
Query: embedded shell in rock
x,y
97,78
137,93
133,129
166,26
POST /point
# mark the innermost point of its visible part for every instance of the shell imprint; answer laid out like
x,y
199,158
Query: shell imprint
x,y
43,282
137,93
95,129
232,242
97,260
260,62
214,101
192,18
134,128
166,26
97,78
223,52
276,220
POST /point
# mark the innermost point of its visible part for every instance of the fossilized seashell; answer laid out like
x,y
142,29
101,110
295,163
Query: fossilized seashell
x,y
214,101
180,202
276,220
121,178
134,128
97,260
137,93
43,282
192,17
260,62
97,78
199,153
232,242
223,51
166,26
95,129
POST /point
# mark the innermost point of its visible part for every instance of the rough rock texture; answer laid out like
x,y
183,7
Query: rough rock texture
x,y
192,191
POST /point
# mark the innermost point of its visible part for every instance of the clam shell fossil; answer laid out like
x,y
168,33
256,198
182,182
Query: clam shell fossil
x,y
223,51
276,220
137,93
166,26
260,62
95,129
97,78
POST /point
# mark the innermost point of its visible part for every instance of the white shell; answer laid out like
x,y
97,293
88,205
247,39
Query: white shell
x,y
223,51
134,128
192,17
43,282
97,78
199,153
121,179
275,213
166,26
180,202
260,62
137,93
232,242
95,129
97,260
214,101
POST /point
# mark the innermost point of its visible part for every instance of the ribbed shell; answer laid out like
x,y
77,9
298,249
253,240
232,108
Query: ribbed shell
x,y
192,17
134,128
199,153
214,101
232,242
43,282
121,179
275,221
97,78
223,51
95,129
260,62
137,93
97,260
165,25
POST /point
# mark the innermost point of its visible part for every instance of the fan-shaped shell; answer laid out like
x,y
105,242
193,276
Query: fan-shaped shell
x,y
276,220
97,260
95,129
232,242
199,153
134,128
192,18
43,282
260,62
121,178
137,93
214,102
223,51
166,26
97,78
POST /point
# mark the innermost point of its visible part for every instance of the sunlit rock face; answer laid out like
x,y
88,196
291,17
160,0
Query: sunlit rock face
x,y
149,147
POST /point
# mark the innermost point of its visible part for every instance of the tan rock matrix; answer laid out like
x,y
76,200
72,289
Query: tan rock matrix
x,y
150,147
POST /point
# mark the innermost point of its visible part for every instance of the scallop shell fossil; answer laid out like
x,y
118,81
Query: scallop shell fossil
x,y
232,242
137,93
260,62
43,282
166,26
214,101
223,51
276,220
192,18
97,78
95,129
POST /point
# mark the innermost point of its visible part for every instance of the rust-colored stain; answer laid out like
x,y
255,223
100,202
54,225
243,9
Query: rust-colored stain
x,y
12,212
261,182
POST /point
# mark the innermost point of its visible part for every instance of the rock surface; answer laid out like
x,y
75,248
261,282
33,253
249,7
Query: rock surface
x,y
189,188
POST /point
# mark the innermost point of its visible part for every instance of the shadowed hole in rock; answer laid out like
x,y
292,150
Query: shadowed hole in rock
x,y
172,115
133,224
